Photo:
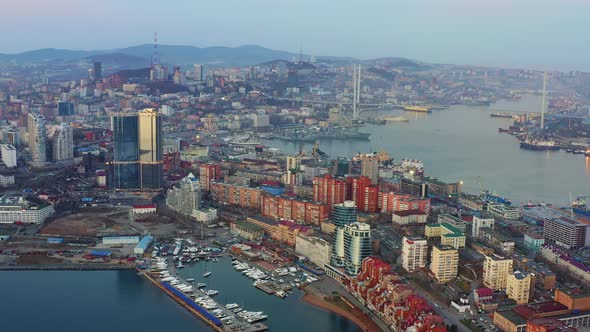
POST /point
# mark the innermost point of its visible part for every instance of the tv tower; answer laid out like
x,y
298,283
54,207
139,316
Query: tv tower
x,y
155,56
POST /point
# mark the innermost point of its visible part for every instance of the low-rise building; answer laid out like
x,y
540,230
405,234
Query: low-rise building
x,y
316,249
143,245
533,241
117,240
479,223
504,212
449,235
206,215
409,217
143,209
16,208
246,230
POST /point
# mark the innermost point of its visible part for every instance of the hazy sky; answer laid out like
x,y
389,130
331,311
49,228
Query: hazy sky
x,y
553,34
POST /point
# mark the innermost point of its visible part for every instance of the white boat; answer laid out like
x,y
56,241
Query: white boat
x,y
201,285
232,305
206,274
211,292
190,279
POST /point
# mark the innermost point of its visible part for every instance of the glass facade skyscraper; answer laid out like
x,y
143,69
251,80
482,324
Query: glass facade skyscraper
x,y
137,160
343,214
357,246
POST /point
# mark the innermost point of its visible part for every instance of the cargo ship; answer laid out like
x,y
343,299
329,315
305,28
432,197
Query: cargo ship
x,y
501,115
494,198
538,145
421,109
579,206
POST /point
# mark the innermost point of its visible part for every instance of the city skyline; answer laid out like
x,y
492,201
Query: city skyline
x,y
501,33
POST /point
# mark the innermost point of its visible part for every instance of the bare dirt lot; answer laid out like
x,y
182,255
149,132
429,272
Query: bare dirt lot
x,y
98,222
91,223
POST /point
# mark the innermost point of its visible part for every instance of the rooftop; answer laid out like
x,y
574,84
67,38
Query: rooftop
x,y
535,309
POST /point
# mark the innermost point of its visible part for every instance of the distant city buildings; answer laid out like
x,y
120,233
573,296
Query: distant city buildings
x,y
137,150
370,167
9,157
479,223
97,71
198,75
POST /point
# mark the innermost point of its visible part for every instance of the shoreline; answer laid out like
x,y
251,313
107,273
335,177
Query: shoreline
x,y
66,267
317,300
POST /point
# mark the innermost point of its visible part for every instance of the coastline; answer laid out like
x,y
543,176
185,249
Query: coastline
x,y
363,321
66,267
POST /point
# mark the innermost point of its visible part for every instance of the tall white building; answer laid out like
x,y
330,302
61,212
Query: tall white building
x,y
478,223
37,139
186,197
414,253
9,157
63,142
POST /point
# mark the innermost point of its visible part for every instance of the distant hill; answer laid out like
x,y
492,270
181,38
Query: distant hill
x,y
140,55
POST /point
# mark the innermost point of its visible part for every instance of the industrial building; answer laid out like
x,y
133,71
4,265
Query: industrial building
x,y
117,240
143,245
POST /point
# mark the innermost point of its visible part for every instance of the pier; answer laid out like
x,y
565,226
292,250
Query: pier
x,y
200,312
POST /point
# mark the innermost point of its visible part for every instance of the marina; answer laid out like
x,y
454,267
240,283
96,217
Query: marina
x,y
193,285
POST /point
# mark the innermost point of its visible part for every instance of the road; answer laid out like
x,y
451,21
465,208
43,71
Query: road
x,y
449,316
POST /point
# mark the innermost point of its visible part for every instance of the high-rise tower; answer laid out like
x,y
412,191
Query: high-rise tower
x,y
343,214
37,139
63,142
137,149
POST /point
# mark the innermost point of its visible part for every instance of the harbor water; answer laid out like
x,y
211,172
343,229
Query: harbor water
x,y
288,314
462,143
71,301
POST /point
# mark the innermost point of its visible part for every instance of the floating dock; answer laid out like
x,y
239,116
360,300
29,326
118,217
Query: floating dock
x,y
200,312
